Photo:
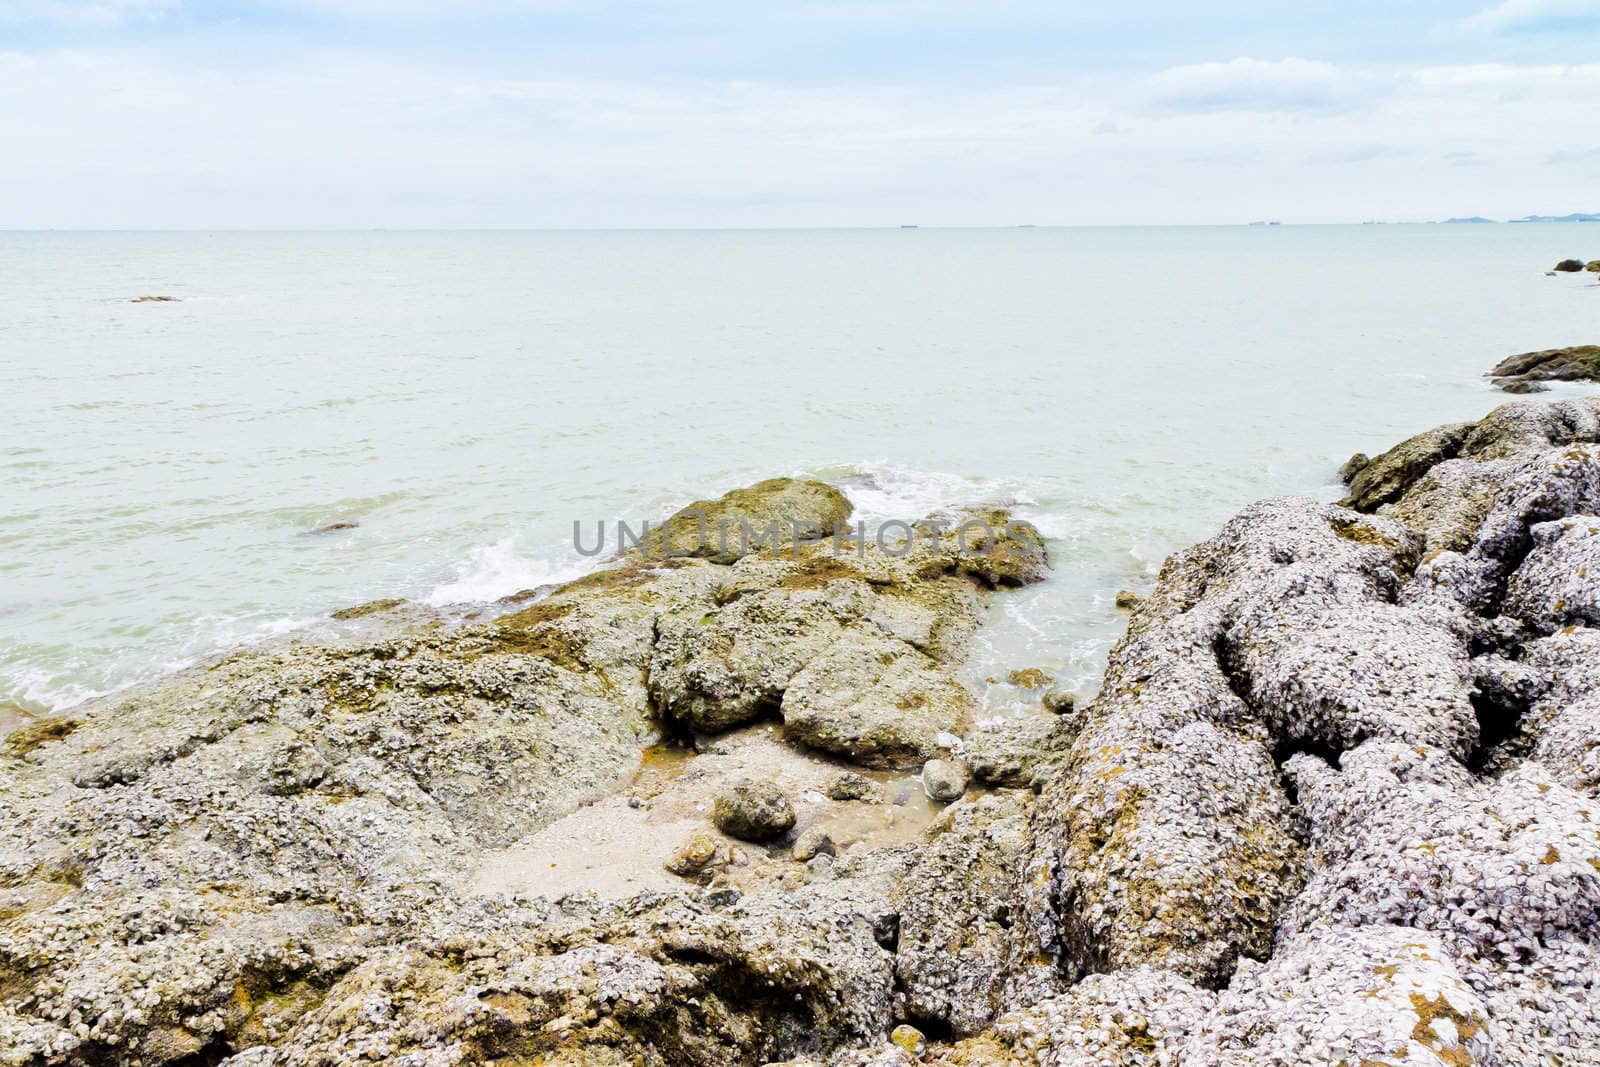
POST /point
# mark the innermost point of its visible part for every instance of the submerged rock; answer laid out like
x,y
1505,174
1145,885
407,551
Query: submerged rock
x,y
1030,678
848,785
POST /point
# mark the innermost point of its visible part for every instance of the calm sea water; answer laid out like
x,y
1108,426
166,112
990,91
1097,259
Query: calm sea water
x,y
465,396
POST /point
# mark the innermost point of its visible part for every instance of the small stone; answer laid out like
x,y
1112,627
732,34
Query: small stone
x,y
848,785
1060,701
695,855
635,802
753,811
909,1040
944,780
1127,600
814,841
1029,678
722,897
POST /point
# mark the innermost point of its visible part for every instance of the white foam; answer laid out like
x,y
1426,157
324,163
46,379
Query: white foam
x,y
78,681
885,491
490,572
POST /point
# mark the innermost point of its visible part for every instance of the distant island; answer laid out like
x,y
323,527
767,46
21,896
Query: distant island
x,y
1575,217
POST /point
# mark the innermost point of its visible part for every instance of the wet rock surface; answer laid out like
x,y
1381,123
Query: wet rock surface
x,y
1337,801
1522,372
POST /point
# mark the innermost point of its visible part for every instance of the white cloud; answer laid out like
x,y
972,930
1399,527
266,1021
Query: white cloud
x,y
342,140
84,12
1259,85
1532,16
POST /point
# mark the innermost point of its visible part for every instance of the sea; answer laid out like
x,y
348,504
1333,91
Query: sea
x,y
456,401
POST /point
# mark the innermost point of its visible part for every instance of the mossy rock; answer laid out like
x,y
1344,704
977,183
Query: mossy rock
x,y
371,607
774,515
1574,364
1388,476
24,739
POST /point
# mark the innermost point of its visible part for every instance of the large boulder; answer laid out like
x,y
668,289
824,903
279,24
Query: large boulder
x,y
768,516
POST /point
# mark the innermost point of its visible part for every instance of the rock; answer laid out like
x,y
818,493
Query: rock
x,y
1060,701
1570,266
773,515
1140,1017
848,785
1128,600
753,811
813,842
956,913
1353,466
694,855
1358,994
154,300
1525,372
996,549
371,607
909,1040
856,650
35,732
1556,584
944,779
335,527
874,702
1029,678
1525,387
1389,475
1336,801
1014,754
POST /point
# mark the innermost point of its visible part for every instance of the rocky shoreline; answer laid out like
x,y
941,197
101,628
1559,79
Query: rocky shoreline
x,y
1338,801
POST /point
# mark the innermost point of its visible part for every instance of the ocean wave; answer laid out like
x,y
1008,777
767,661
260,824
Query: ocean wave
x,y
885,491
84,678
490,572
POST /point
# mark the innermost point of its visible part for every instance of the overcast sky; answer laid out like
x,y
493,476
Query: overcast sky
x,y
488,113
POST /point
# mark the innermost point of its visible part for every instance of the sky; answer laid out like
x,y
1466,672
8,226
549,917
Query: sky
x,y
666,113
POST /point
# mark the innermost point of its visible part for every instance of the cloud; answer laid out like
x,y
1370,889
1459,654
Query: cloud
x,y
154,138
87,13
1532,16
1259,85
